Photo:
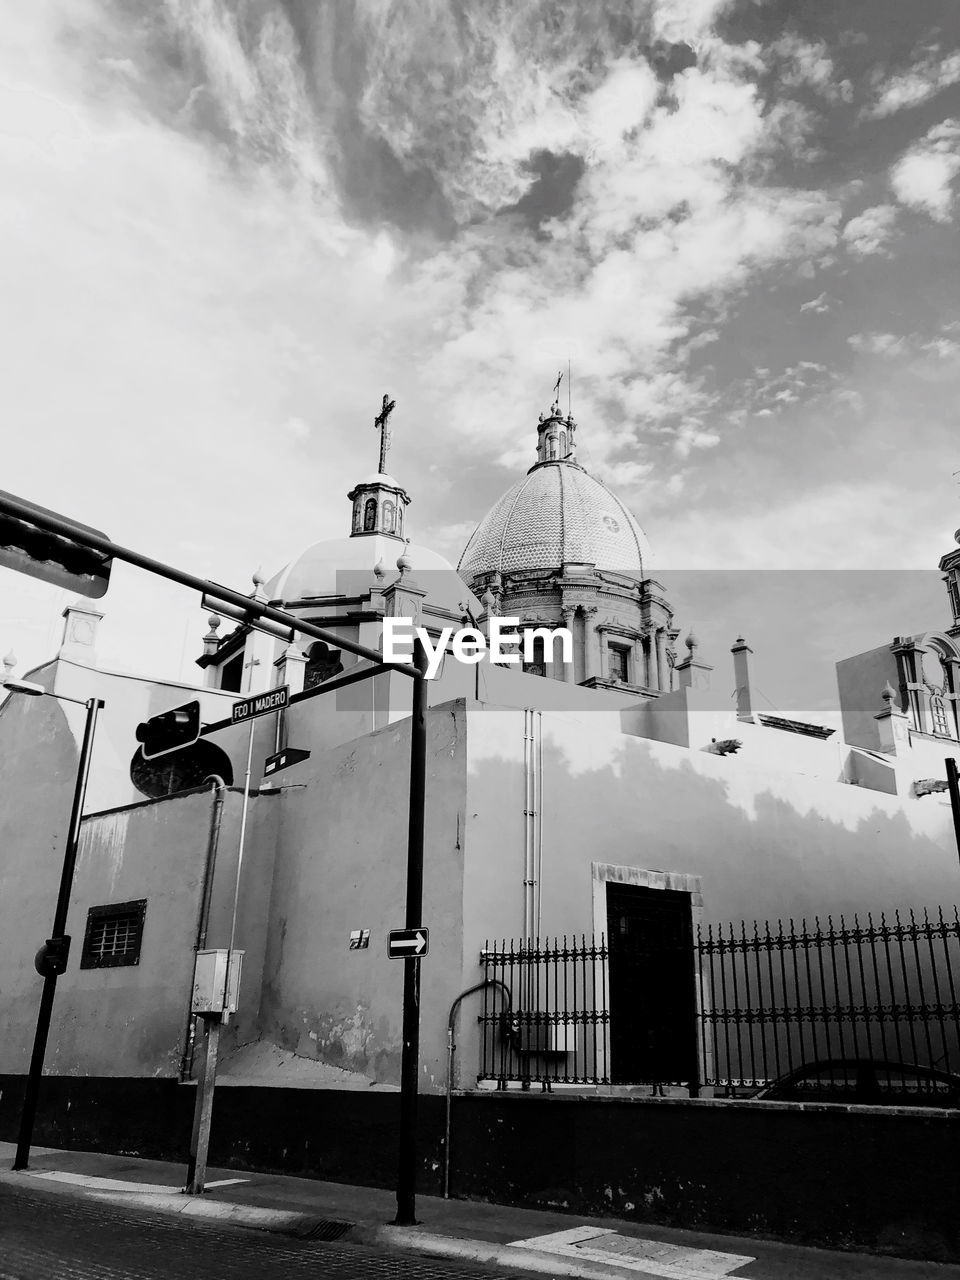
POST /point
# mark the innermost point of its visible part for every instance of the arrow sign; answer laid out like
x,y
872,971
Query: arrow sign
x,y
403,943
283,760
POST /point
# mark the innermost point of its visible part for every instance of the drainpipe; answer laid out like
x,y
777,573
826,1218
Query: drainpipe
x,y
451,1049
203,916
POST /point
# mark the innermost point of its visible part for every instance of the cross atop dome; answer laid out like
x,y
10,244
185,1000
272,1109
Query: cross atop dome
x,y
379,502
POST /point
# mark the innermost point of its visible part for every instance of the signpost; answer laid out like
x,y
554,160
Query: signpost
x,y
260,704
403,943
284,759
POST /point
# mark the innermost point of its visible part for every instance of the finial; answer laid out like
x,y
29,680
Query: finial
x,y
257,577
889,693
9,662
379,570
956,537
214,622
691,641
489,601
404,562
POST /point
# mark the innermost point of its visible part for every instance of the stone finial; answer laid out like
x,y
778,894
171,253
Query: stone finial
x,y
489,601
956,537
9,662
691,641
379,570
404,563
211,640
888,694
258,580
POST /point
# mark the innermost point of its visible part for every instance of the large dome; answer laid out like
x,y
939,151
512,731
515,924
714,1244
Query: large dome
x,y
557,514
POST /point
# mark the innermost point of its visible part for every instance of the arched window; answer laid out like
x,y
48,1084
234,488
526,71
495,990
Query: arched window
x,y
552,448
322,663
389,515
370,515
938,714
399,517
357,516
563,444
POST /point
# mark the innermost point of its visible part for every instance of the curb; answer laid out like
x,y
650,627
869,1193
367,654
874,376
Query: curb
x,y
310,1226
509,1256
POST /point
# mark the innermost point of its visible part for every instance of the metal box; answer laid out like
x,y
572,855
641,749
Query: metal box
x,y
215,990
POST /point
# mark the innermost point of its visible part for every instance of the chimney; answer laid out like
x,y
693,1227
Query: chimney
x,y
741,675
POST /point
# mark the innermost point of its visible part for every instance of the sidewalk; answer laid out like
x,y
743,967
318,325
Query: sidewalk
x,y
519,1239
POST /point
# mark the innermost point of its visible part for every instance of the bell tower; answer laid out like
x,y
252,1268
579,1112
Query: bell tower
x,y
379,502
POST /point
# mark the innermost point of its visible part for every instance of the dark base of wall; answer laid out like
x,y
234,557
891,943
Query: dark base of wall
x,y
874,1181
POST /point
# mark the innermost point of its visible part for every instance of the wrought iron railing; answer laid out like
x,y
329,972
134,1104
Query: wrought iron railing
x,y
765,1001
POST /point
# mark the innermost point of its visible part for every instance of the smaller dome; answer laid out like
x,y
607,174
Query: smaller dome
x,y
379,477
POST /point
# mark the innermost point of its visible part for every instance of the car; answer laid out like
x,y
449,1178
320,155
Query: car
x,y
865,1081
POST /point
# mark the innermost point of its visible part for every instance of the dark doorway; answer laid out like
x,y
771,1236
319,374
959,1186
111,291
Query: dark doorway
x,y
653,1028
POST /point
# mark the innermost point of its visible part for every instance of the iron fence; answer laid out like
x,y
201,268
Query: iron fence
x,y
841,1005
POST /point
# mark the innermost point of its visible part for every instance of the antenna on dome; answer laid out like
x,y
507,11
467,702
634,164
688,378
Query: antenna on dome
x,y
569,390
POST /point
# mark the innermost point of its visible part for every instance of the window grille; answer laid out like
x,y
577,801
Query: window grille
x,y
114,935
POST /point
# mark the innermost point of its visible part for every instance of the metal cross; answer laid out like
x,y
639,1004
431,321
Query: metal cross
x,y
380,424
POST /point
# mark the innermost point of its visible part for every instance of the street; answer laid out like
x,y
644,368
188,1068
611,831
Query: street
x,y
49,1235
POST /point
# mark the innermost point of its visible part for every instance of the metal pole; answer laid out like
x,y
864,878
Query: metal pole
x,y
953,786
410,1057
32,1091
207,1083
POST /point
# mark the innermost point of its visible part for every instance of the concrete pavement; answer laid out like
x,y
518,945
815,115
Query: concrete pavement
x,y
519,1239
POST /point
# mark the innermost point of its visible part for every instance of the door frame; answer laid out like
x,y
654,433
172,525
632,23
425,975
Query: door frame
x,y
602,873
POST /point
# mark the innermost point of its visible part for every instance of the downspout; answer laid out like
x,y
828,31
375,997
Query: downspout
x,y
451,1049
203,917
539,864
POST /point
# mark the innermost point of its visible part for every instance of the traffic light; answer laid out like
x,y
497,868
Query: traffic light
x,y
62,558
170,730
51,960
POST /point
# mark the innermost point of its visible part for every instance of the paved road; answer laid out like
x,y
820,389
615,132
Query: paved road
x,y
56,1236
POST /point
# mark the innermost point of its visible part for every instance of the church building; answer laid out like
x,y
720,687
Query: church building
x,y
552,793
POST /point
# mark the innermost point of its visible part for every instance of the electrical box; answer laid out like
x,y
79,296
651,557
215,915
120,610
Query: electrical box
x,y
216,984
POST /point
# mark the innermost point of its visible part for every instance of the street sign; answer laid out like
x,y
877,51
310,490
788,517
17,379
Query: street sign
x,y
260,704
402,943
283,760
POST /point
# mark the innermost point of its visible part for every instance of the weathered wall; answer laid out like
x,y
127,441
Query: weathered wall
x,y
341,865
131,1020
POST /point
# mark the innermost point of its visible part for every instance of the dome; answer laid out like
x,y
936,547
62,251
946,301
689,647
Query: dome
x,y
344,566
557,514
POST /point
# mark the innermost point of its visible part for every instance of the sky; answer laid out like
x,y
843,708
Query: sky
x,y
229,228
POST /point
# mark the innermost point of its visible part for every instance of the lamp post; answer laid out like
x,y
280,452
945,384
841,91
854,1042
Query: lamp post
x,y
51,959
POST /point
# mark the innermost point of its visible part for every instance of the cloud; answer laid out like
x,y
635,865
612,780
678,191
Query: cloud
x,y
922,177
927,77
878,344
817,305
870,232
807,63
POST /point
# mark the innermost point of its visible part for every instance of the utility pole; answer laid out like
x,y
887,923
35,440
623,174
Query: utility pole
x,y
410,1056
52,958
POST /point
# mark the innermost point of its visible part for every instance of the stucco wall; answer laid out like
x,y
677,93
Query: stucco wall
x,y
341,865
766,844
131,1020
860,683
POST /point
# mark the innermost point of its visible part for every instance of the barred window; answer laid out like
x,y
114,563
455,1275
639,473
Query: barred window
x,y
114,934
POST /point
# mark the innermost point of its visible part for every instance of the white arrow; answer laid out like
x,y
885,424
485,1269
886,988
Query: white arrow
x,y
417,943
